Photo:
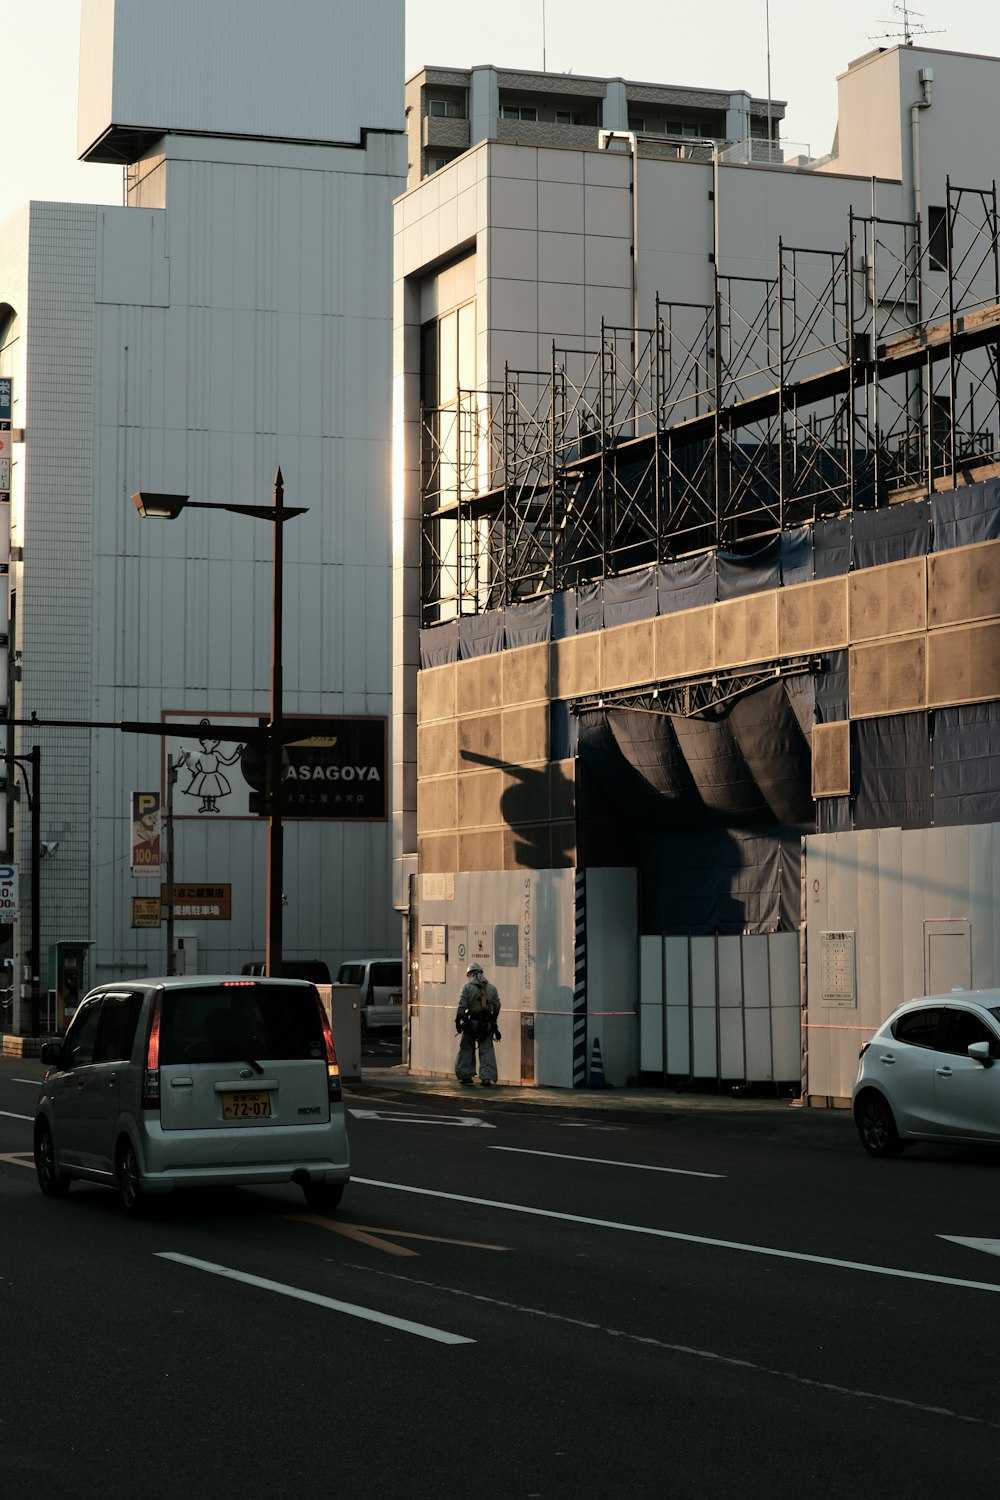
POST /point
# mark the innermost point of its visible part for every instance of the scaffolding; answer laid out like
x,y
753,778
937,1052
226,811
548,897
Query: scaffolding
x,y
852,379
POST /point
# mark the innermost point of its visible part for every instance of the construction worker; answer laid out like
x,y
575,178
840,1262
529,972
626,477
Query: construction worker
x,y
476,1023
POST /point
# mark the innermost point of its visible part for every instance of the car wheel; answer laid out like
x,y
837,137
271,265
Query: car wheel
x,y
323,1196
128,1182
51,1181
876,1126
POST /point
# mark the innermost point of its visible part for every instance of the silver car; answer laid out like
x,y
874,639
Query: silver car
x,y
929,1074
191,1082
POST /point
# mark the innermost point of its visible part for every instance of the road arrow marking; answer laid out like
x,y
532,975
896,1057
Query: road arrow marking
x,y
19,1158
373,1235
992,1247
7,1115
379,1114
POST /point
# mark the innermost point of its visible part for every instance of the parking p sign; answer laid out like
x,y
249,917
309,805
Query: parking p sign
x,y
9,903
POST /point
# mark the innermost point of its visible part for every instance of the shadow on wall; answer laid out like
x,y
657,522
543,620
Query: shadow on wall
x,y
542,840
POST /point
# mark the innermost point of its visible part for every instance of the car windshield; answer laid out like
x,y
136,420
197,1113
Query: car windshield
x,y
995,1012
239,1021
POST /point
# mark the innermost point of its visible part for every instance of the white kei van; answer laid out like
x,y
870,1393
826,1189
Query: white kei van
x,y
380,991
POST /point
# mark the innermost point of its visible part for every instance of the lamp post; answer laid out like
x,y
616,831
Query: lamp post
x,y
32,789
168,508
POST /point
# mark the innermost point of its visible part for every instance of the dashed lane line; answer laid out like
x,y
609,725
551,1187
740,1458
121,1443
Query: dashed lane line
x,y
600,1161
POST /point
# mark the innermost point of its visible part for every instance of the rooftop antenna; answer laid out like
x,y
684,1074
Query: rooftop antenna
x,y
904,12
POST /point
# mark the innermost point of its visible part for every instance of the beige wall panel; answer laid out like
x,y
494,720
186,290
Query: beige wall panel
x,y
526,734
963,584
438,853
525,674
730,632
639,644
479,734
576,666
436,805
746,629
614,656
528,848
699,639
436,693
562,789
887,677
762,626
562,837
627,655
478,804
888,601
477,684
525,796
668,646
831,759
481,850
812,617
437,748
963,665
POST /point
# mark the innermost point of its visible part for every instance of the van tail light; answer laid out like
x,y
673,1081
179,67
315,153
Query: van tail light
x,y
151,1081
332,1065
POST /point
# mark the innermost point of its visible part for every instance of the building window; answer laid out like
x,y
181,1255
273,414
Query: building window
x,y
574,117
445,109
435,163
518,112
684,127
937,238
636,122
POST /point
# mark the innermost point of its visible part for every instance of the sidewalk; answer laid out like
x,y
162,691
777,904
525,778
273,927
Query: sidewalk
x,y
387,1082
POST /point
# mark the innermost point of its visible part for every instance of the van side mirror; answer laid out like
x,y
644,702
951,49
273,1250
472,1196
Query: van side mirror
x,y
980,1053
50,1054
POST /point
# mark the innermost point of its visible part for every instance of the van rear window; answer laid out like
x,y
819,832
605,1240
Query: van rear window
x,y
235,1022
390,973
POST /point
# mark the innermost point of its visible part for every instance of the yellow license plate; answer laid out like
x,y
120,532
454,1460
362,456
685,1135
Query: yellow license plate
x,y
246,1106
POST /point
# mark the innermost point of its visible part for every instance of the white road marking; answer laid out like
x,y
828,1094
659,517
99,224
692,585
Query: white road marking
x,y
429,1119
422,1330
692,1351
8,1116
689,1239
34,1082
600,1161
992,1247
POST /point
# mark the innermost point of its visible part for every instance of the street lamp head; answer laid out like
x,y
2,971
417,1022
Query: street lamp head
x,y
158,507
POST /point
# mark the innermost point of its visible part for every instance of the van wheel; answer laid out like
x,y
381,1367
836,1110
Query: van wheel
x,y
128,1182
51,1181
321,1197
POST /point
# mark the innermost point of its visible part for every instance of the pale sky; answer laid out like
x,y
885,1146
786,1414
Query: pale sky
x,y
721,44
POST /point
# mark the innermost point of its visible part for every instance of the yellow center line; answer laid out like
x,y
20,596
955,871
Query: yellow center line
x,y
373,1235
18,1158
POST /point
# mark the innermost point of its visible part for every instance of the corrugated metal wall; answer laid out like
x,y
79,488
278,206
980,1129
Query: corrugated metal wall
x,y
918,909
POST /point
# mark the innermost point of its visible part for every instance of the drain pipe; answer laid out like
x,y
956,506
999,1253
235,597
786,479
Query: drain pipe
x,y
926,78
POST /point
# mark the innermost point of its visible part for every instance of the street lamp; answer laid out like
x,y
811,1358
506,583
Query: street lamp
x,y
33,792
167,508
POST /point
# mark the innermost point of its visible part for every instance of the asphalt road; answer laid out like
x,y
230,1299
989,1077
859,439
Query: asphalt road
x,y
517,1302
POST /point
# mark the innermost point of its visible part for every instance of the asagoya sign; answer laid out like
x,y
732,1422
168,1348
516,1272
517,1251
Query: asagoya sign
x,y
334,768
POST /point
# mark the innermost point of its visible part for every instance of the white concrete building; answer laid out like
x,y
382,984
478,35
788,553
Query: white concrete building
x,y
585,500
232,317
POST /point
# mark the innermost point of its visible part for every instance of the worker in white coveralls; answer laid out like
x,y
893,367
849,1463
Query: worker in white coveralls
x,y
476,1023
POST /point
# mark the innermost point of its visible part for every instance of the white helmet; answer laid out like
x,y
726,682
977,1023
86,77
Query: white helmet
x,y
474,971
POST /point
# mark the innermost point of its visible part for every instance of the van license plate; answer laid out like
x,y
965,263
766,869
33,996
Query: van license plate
x,y
246,1106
